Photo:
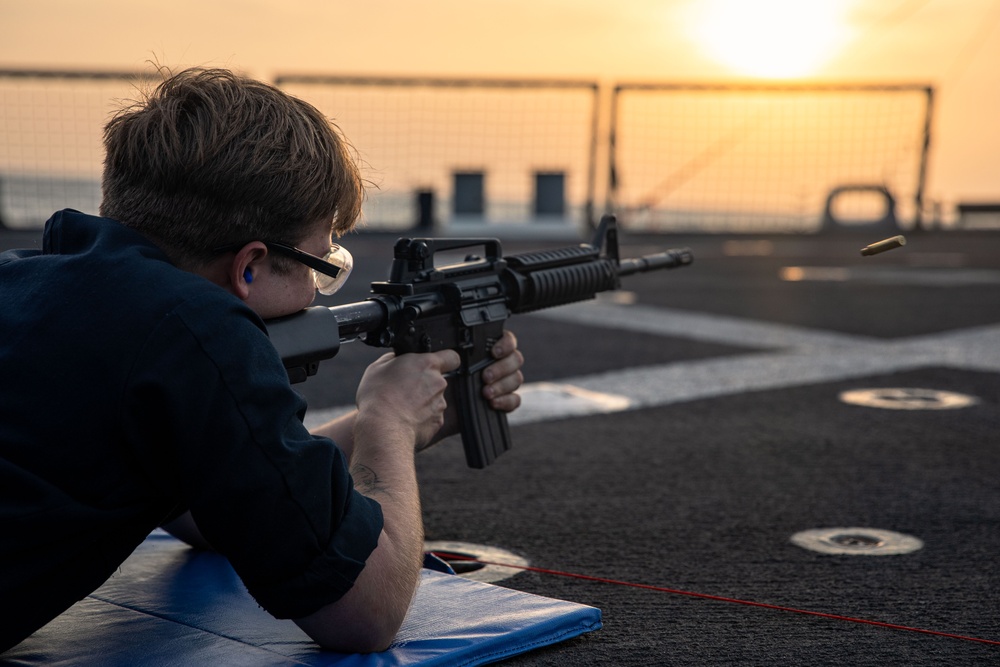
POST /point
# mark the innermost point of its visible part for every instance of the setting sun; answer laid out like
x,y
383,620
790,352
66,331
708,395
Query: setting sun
x,y
771,38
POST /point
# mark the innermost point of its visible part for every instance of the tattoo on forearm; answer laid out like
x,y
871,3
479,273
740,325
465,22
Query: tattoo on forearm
x,y
366,480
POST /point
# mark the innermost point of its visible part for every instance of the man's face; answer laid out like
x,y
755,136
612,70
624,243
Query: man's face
x,y
276,294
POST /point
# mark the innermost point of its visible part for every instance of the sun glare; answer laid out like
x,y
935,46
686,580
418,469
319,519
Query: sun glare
x,y
771,38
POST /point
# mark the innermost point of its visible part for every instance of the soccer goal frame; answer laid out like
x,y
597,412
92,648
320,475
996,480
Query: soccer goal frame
x,y
764,157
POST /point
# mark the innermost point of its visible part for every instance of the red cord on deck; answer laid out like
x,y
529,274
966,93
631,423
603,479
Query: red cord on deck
x,y
705,596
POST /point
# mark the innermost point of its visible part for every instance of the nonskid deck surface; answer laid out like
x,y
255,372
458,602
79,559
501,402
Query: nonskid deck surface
x,y
680,434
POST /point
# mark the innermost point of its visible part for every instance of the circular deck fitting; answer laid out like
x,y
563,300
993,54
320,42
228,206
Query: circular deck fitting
x,y
903,398
857,541
458,555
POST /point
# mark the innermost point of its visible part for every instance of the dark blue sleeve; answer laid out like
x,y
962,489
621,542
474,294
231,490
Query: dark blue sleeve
x,y
214,420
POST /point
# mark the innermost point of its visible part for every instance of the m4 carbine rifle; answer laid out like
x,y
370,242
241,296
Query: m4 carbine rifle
x,y
463,306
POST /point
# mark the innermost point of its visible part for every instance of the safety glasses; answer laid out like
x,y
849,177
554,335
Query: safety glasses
x,y
329,272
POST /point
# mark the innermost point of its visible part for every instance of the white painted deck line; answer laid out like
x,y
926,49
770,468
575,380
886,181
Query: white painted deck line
x,y
790,356
697,326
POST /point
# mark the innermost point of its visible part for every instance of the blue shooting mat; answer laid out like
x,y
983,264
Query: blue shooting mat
x,y
172,605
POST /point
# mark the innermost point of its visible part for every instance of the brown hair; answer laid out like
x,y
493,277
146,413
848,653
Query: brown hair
x,y
210,158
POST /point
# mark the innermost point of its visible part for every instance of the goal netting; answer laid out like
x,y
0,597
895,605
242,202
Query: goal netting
x,y
764,158
51,150
468,150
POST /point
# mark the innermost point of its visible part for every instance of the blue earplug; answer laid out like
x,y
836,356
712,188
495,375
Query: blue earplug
x,y
247,276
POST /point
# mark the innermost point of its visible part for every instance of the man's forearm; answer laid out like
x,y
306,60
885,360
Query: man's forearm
x,y
369,615
383,468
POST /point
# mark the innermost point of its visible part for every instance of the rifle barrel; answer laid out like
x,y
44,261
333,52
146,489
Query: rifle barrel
x,y
670,259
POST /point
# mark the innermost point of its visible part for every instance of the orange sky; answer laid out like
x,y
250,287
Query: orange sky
x,y
951,44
